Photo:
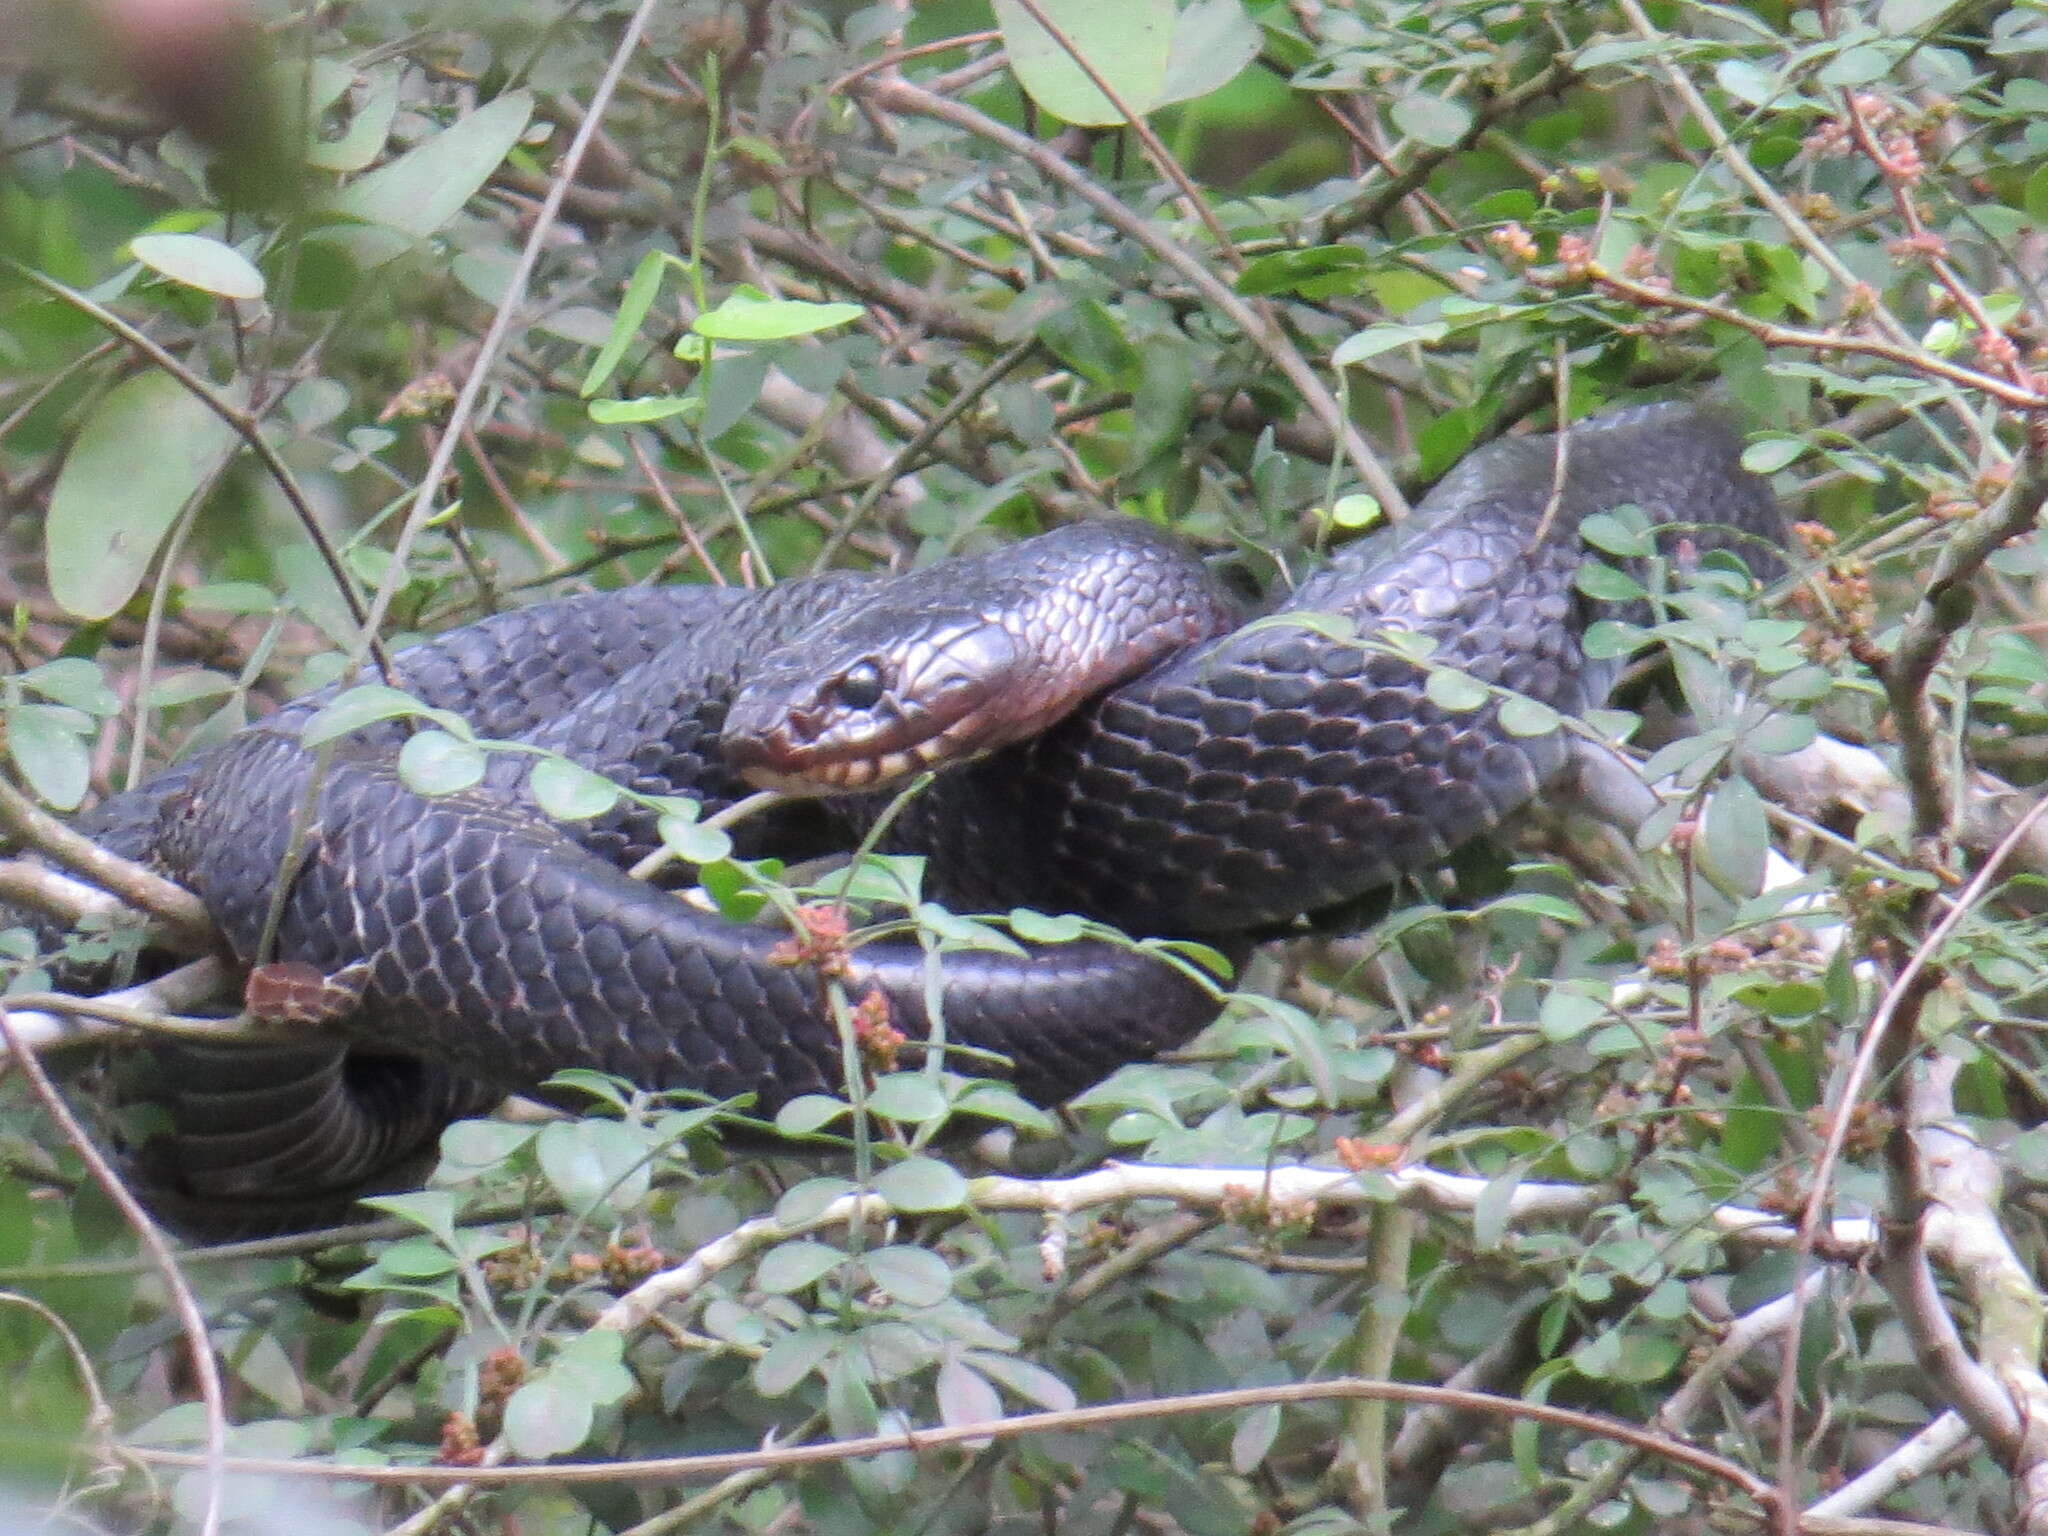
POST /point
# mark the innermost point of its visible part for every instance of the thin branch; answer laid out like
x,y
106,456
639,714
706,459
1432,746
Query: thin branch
x,y
1547,81
45,1022
901,95
136,885
460,415
1944,608
1904,354
205,1370
1998,1428
1155,147
671,1469
244,424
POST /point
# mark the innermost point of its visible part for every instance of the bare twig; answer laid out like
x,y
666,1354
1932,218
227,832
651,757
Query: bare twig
x,y
903,96
200,1348
244,424
182,913
460,415
675,1468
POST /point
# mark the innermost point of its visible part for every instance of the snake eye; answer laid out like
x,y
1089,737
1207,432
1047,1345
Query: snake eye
x,y
859,686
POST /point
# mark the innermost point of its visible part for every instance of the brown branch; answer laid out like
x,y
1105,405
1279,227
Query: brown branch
x,y
177,909
1155,147
1901,354
1548,81
902,96
246,425
670,1469
1890,1036
1944,608
190,1320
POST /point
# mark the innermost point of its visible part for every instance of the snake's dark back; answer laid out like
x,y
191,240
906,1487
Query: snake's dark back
x,y
1279,769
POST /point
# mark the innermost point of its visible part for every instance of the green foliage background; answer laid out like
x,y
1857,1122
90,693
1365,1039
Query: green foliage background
x,y
1438,222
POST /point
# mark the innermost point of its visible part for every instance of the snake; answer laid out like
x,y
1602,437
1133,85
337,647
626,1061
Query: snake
x,y
1118,739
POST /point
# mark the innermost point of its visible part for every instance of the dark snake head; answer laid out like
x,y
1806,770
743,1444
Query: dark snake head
x,y
862,701
952,661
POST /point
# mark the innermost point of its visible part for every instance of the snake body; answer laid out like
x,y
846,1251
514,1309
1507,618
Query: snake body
x,y
1273,769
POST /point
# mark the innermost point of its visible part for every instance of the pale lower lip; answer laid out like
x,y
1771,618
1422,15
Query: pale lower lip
x,y
849,777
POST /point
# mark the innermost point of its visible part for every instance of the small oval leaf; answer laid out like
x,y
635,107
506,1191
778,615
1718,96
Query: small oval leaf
x,y
436,763
198,261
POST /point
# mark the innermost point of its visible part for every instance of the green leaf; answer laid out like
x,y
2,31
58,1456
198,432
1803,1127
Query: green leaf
x,y
792,1266
1253,1438
921,1184
917,1277
1213,41
365,704
48,749
75,681
1033,1383
792,1358
1768,455
199,261
1856,66
436,763
429,184
1538,904
1566,1014
431,1210
1375,339
613,413
1737,837
809,1112
2034,197
810,1199
965,1396
1490,1211
359,144
1455,691
1436,120
910,1097
416,1258
595,1162
570,792
1526,717
1608,584
1777,735
551,1415
1356,511
1205,956
1046,928
1129,44
641,291
146,450
748,315
1747,82
964,932
1164,402
469,1147
1317,270
596,1361
692,841
1620,537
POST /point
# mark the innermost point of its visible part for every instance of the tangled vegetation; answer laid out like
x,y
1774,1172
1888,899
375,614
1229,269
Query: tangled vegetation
x,y
1671,1181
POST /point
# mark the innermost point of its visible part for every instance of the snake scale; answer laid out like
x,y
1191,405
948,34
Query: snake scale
x,y
1257,772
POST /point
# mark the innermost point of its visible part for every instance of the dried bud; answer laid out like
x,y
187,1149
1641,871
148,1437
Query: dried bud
x,y
874,1032
499,1376
1514,242
461,1445
1359,1155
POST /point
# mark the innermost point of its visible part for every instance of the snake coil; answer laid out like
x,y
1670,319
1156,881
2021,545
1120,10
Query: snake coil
x,y
1257,772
